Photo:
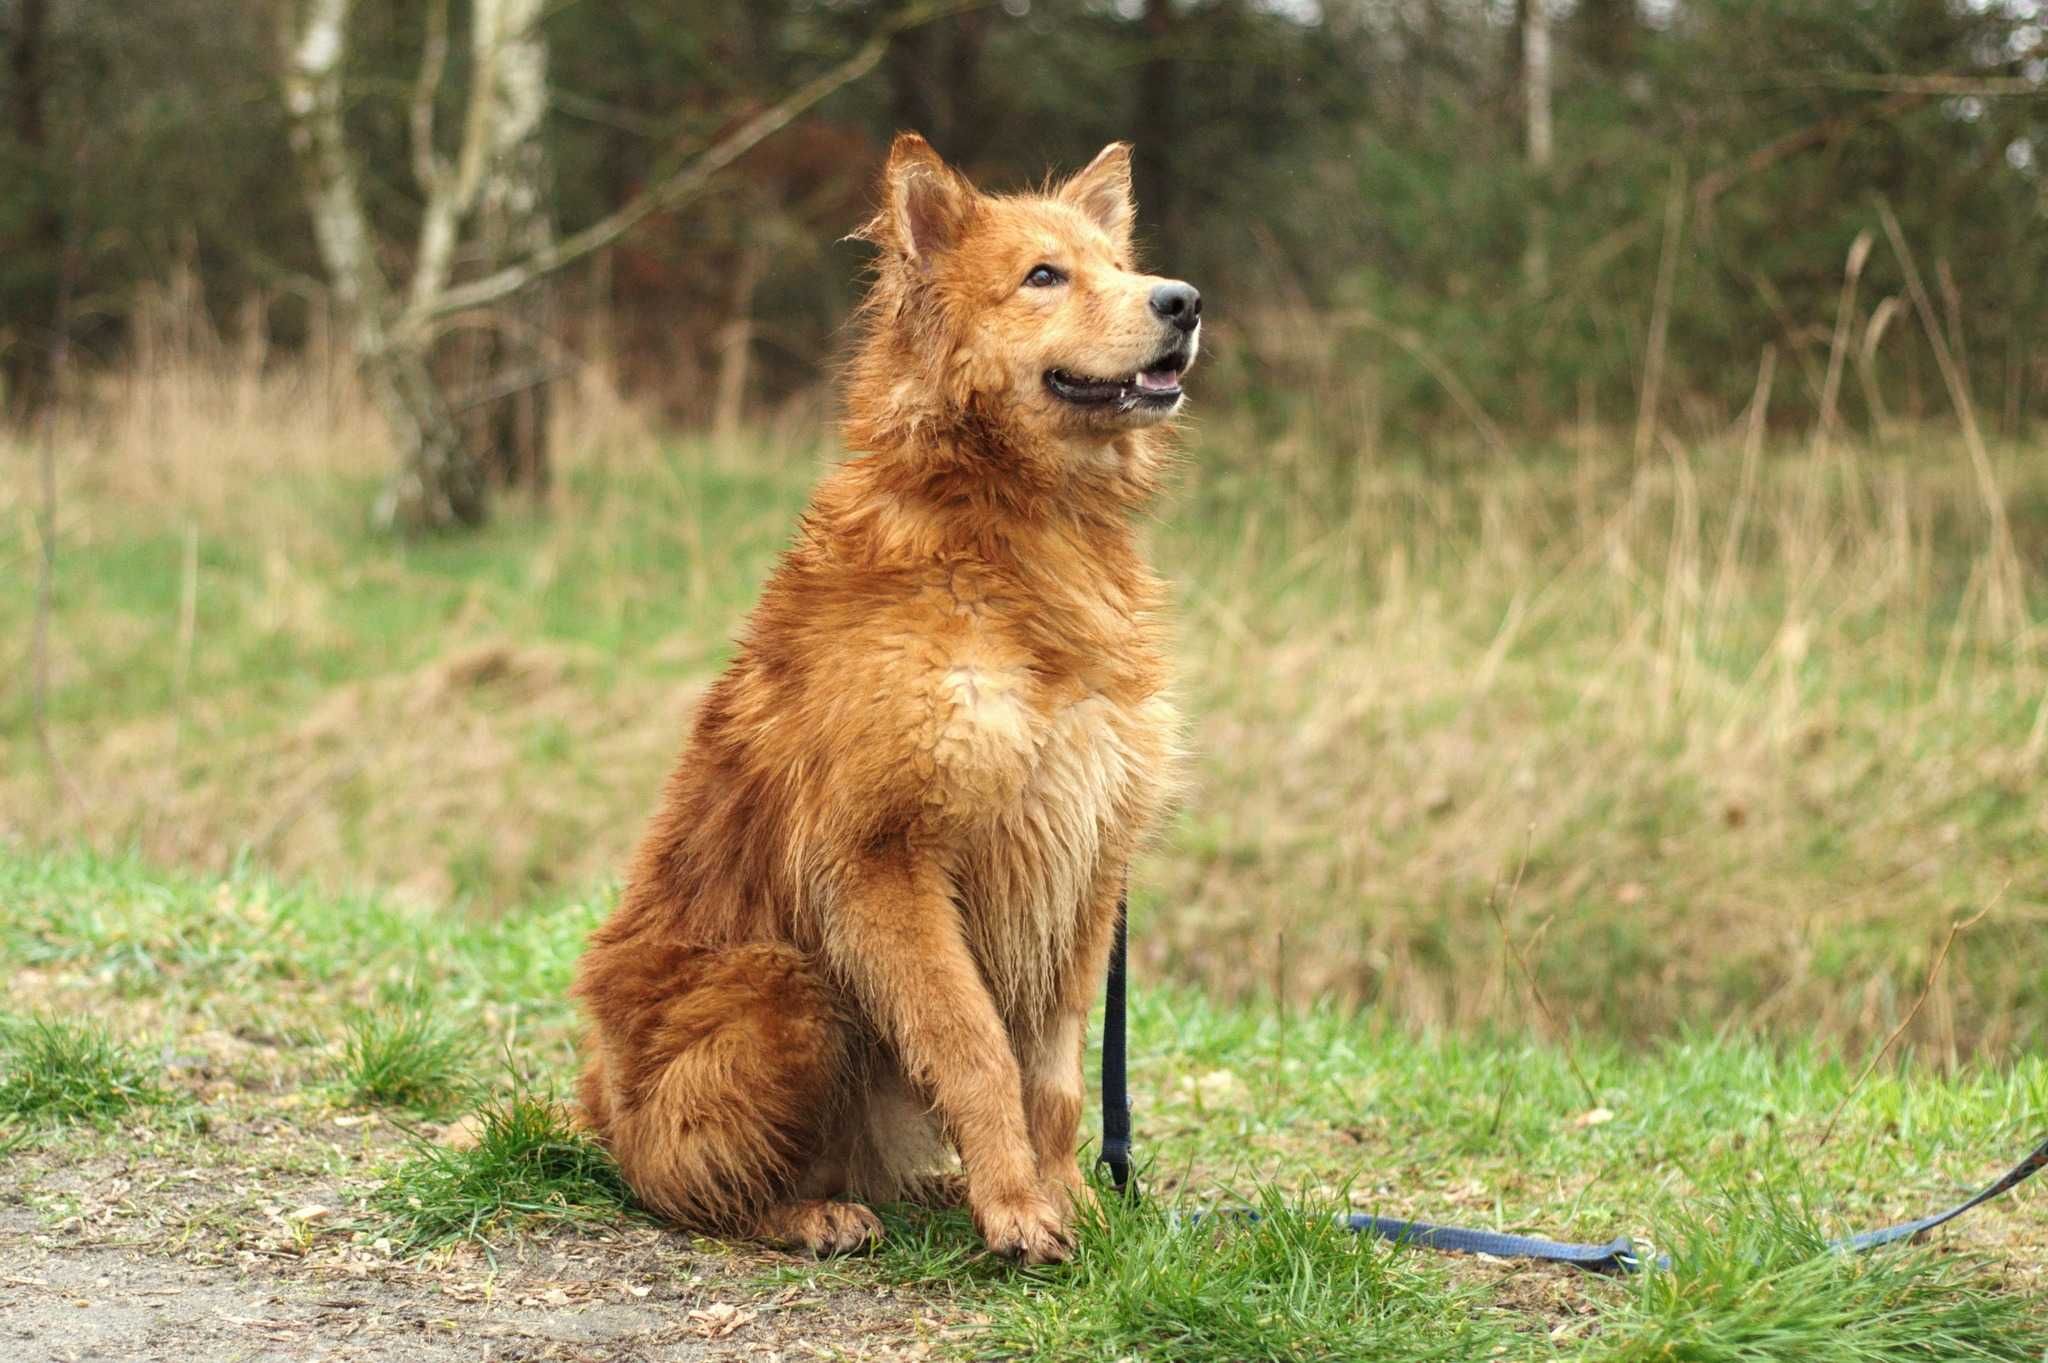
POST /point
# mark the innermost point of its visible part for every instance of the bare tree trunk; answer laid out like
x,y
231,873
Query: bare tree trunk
x,y
1607,33
435,484
1536,132
28,70
27,366
934,82
438,485
1155,133
510,431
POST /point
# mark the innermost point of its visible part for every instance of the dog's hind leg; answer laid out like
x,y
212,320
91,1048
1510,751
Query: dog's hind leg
x,y
722,1096
898,1152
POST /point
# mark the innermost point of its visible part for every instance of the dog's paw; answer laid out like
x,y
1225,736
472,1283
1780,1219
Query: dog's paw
x,y
822,1228
1028,1228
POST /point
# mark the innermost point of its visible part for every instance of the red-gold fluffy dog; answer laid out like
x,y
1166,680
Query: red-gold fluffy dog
x,y
869,917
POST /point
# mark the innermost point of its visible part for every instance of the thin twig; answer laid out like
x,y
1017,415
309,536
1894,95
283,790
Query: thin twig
x,y
259,846
1660,313
1937,83
509,385
1745,489
46,568
188,625
1529,976
1718,182
1412,341
1280,1019
46,577
1955,930
1845,319
2006,588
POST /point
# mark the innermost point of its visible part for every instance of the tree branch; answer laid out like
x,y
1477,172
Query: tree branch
x,y
454,192
426,166
1937,83
1718,182
678,185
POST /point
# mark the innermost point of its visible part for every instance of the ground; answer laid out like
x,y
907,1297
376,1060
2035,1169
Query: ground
x,y
1563,842
245,1160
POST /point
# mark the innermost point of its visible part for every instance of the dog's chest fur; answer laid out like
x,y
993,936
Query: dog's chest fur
x,y
1049,751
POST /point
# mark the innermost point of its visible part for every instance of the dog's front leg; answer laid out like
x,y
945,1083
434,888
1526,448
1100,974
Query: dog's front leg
x,y
1052,1104
894,936
1052,1056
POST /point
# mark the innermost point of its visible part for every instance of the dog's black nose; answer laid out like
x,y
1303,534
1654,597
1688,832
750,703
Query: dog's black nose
x,y
1179,304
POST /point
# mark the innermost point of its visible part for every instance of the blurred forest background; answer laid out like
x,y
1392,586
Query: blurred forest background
x,y
1614,472
1415,217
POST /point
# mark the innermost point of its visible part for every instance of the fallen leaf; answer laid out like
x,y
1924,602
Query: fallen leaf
x,y
720,1319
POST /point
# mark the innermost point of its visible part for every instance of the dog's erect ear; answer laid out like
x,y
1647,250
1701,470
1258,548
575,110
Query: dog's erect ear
x,y
926,204
1103,192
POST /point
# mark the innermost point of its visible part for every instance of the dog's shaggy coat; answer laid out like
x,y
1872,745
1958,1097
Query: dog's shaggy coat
x,y
868,919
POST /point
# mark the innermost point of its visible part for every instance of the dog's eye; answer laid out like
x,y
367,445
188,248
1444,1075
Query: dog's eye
x,y
1043,277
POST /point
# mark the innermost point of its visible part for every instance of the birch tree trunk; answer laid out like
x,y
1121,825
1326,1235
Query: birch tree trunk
x,y
495,186
509,431
1536,137
435,485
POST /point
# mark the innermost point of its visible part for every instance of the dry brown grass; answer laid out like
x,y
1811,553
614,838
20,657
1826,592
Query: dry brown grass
x,y
1724,765
1743,706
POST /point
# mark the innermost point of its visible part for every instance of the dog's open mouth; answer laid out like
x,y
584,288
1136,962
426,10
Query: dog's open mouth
x,y
1156,385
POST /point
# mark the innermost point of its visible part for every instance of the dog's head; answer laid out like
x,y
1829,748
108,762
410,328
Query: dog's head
x,y
1028,307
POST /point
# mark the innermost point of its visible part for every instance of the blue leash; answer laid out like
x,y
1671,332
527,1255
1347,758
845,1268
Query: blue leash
x,y
1616,1256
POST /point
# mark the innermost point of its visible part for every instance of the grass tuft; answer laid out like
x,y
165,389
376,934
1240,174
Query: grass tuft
x,y
1291,1285
405,1057
70,1072
529,1168
1753,1281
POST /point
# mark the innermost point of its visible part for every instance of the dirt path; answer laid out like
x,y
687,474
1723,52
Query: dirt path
x,y
71,1305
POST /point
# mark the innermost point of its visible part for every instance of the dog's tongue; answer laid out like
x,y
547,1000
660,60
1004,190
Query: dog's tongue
x,y
1157,379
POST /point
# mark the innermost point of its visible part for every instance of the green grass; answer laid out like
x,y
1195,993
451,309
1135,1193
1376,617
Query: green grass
x,y
354,820
1751,1281
53,1071
1293,1285
528,1169
1754,1282
1747,767
1713,1153
408,1056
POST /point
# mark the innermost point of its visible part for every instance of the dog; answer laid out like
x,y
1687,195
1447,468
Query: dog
x,y
863,930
